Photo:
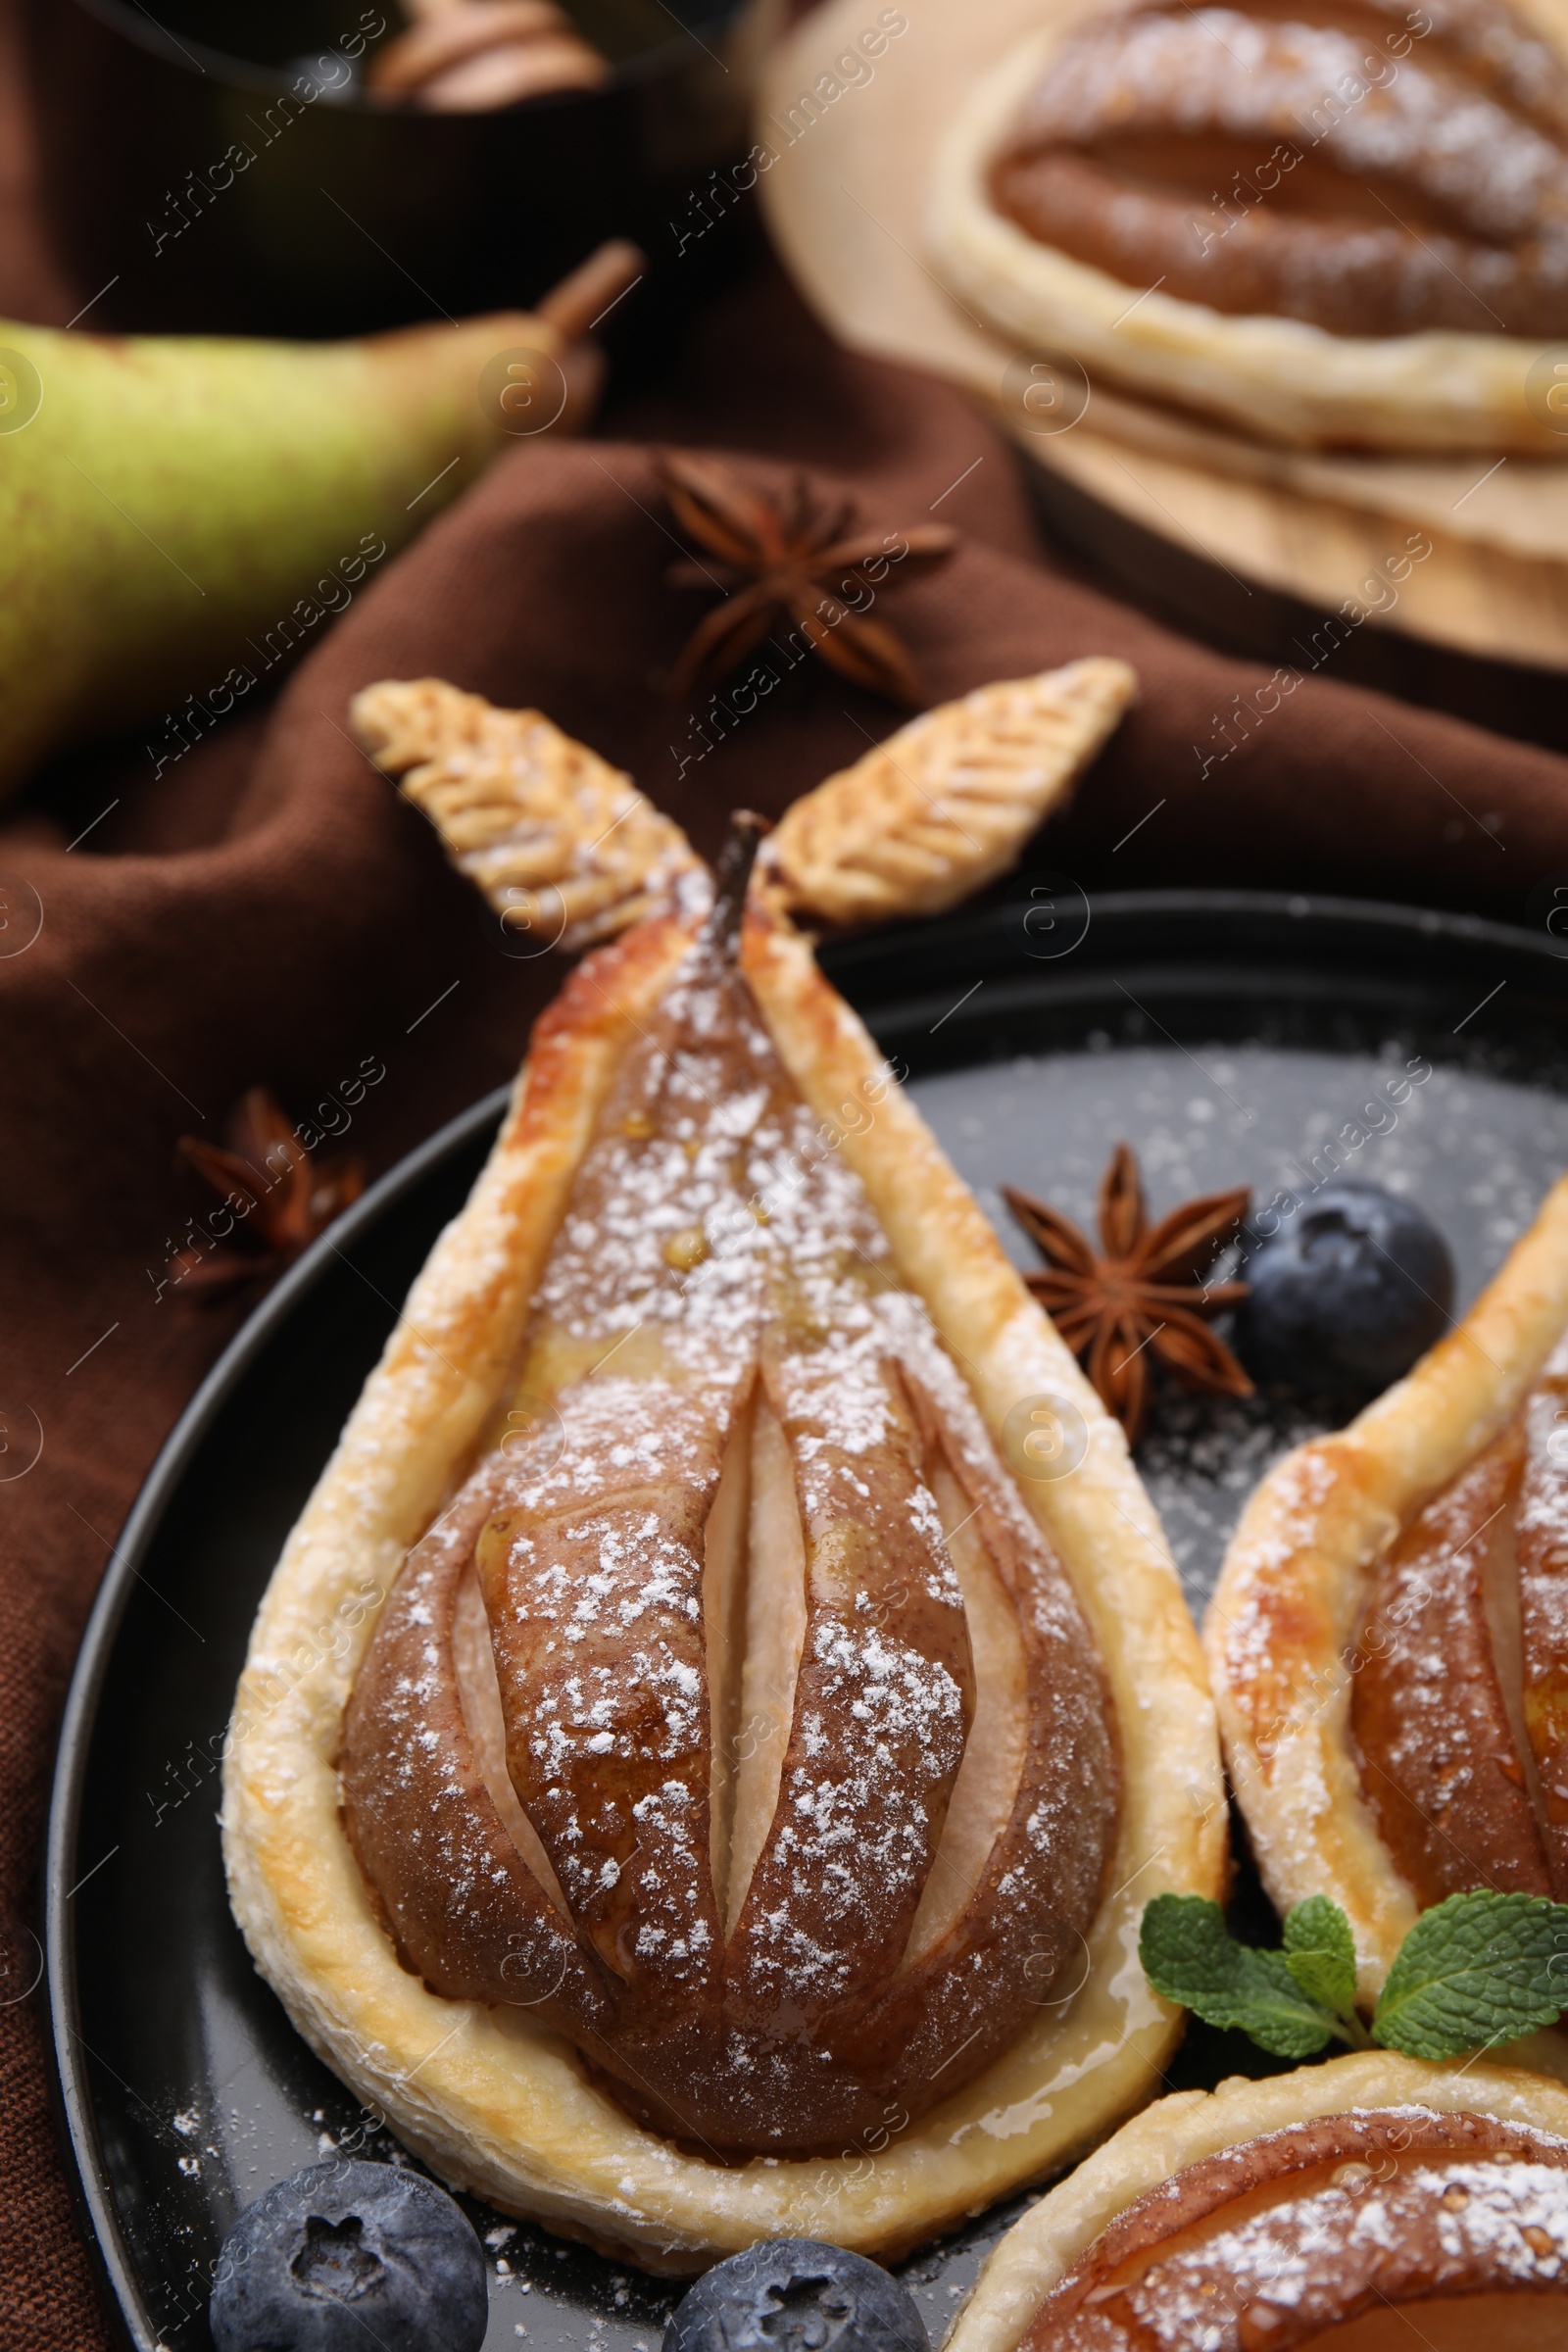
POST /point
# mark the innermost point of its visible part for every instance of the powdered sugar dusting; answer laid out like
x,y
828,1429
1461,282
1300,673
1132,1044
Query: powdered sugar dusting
x,y
1214,69
1349,2246
717,1251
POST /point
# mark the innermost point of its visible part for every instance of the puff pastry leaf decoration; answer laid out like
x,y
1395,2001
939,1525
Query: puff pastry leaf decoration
x,y
740,1713
563,846
694,1769
945,805
570,853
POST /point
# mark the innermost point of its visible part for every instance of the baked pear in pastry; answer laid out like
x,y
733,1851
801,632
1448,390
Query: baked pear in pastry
x,y
1375,2204
1328,223
1388,1636
729,1799
664,1724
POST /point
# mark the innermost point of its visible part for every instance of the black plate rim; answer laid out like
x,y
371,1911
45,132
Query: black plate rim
x,y
1318,908
75,2126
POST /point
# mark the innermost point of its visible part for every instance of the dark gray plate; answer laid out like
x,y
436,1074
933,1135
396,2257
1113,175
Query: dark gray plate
x,y
1230,1038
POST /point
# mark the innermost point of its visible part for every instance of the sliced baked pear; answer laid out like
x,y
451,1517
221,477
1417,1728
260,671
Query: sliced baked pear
x,y
729,1793
719,1317
1442,1760
1375,2203
1388,1636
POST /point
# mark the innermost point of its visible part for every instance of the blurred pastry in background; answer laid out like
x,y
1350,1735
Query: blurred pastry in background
x,y
474,56
1328,226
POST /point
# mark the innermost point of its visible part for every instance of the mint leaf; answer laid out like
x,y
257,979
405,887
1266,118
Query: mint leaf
x,y
1476,1970
1320,1954
1190,1957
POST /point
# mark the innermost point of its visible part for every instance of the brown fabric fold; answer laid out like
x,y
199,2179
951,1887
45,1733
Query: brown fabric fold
x,y
266,910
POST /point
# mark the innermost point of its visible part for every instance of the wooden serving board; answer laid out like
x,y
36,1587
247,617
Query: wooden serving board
x,y
845,201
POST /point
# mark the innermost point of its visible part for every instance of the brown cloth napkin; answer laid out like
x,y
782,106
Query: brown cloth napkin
x,y
267,911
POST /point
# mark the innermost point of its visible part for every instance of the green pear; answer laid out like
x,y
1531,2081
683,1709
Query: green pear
x,y
179,514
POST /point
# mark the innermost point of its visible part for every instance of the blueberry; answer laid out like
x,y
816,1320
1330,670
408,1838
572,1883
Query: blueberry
x,y
1350,1287
794,2294
348,2256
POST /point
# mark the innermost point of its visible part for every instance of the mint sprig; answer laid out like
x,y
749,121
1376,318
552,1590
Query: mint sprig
x,y
1190,1956
1320,1954
1474,1971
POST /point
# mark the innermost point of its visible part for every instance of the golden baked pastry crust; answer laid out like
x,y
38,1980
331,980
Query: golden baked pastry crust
x,y
1192,2124
945,805
567,850
1280,379
493,2102
563,844
1295,1584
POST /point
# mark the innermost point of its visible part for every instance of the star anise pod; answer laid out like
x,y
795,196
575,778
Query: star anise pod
x,y
273,1192
793,557
1141,1294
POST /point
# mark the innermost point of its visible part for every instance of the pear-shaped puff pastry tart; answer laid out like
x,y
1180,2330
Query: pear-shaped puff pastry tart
x,y
1328,225
1375,2204
1389,1638
727,1791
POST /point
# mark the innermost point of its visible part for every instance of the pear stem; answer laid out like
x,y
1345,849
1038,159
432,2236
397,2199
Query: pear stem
x,y
581,301
732,872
